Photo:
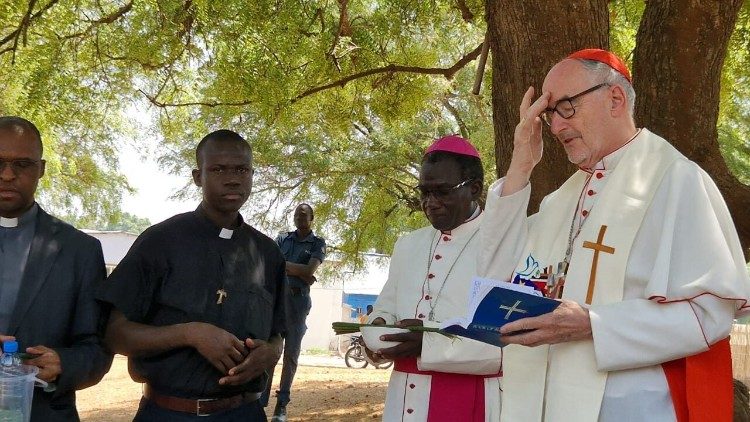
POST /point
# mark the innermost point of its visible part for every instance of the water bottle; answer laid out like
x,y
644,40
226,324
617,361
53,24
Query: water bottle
x,y
10,354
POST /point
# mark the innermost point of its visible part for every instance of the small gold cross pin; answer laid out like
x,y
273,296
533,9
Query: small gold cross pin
x,y
221,293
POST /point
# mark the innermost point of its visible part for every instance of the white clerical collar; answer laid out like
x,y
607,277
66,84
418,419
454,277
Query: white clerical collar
x,y
609,162
226,233
25,218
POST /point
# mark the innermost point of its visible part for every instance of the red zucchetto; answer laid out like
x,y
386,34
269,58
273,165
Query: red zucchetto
x,y
607,57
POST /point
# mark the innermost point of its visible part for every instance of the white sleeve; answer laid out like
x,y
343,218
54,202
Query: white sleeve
x,y
664,331
503,232
458,355
385,306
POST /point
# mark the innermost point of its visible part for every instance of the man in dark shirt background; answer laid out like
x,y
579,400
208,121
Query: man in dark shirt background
x,y
304,252
197,301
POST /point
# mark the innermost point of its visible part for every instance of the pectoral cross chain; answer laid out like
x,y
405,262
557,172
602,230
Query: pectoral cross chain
x,y
221,294
599,246
512,309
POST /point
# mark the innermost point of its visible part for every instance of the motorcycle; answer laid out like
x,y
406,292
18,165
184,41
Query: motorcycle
x,y
355,355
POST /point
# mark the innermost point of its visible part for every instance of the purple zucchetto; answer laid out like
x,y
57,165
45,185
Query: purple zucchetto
x,y
454,144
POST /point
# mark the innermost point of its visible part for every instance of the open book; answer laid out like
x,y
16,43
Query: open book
x,y
494,303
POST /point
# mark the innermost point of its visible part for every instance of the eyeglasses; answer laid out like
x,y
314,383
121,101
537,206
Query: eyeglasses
x,y
20,165
225,170
440,193
565,107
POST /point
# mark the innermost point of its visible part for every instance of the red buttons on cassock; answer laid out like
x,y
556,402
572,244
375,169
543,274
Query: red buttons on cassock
x,y
591,192
430,275
585,213
599,175
446,238
409,411
412,386
438,256
427,297
420,316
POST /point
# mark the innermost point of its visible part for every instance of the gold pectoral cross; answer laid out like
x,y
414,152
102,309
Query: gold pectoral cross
x,y
599,246
512,309
221,294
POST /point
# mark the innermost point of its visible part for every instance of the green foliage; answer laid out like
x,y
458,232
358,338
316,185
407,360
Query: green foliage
x,y
118,221
128,223
734,108
351,150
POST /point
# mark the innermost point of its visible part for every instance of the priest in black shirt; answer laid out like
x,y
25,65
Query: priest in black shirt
x,y
197,301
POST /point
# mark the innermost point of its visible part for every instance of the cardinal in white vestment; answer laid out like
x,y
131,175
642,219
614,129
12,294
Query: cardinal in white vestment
x,y
436,378
641,245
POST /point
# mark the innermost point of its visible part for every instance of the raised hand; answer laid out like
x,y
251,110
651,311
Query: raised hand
x,y
527,142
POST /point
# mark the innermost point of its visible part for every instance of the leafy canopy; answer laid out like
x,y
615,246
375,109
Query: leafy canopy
x,y
290,76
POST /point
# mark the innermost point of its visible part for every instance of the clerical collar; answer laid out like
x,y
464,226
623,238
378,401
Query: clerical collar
x,y
24,219
609,162
223,233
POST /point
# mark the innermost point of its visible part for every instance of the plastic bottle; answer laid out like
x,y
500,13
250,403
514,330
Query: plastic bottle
x,y
10,354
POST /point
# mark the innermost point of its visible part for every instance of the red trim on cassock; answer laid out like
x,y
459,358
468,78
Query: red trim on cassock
x,y
701,385
662,299
453,397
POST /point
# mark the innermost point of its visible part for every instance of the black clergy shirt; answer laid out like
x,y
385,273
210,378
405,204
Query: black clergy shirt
x,y
171,275
15,243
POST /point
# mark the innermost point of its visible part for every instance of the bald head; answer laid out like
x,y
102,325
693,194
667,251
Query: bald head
x,y
21,126
222,137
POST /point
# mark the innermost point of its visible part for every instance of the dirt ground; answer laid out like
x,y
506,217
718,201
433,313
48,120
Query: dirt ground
x,y
324,390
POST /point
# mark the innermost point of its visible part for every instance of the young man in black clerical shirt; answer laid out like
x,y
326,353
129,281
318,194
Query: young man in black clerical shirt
x,y
197,301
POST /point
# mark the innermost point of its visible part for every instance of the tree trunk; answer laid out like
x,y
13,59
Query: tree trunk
x,y
681,46
526,39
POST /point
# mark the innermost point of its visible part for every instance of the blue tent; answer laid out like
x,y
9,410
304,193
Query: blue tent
x,y
358,302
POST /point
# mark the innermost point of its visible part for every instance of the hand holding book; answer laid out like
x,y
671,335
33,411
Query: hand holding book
x,y
492,305
568,322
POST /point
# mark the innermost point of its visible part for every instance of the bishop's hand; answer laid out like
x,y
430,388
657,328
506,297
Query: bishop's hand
x,y
527,142
411,342
568,322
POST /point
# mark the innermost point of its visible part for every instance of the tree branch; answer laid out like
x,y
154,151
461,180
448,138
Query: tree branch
x,y
117,14
465,12
13,35
22,28
152,99
448,73
344,29
456,115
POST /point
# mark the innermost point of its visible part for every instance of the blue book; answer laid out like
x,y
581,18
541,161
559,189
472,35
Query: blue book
x,y
495,303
